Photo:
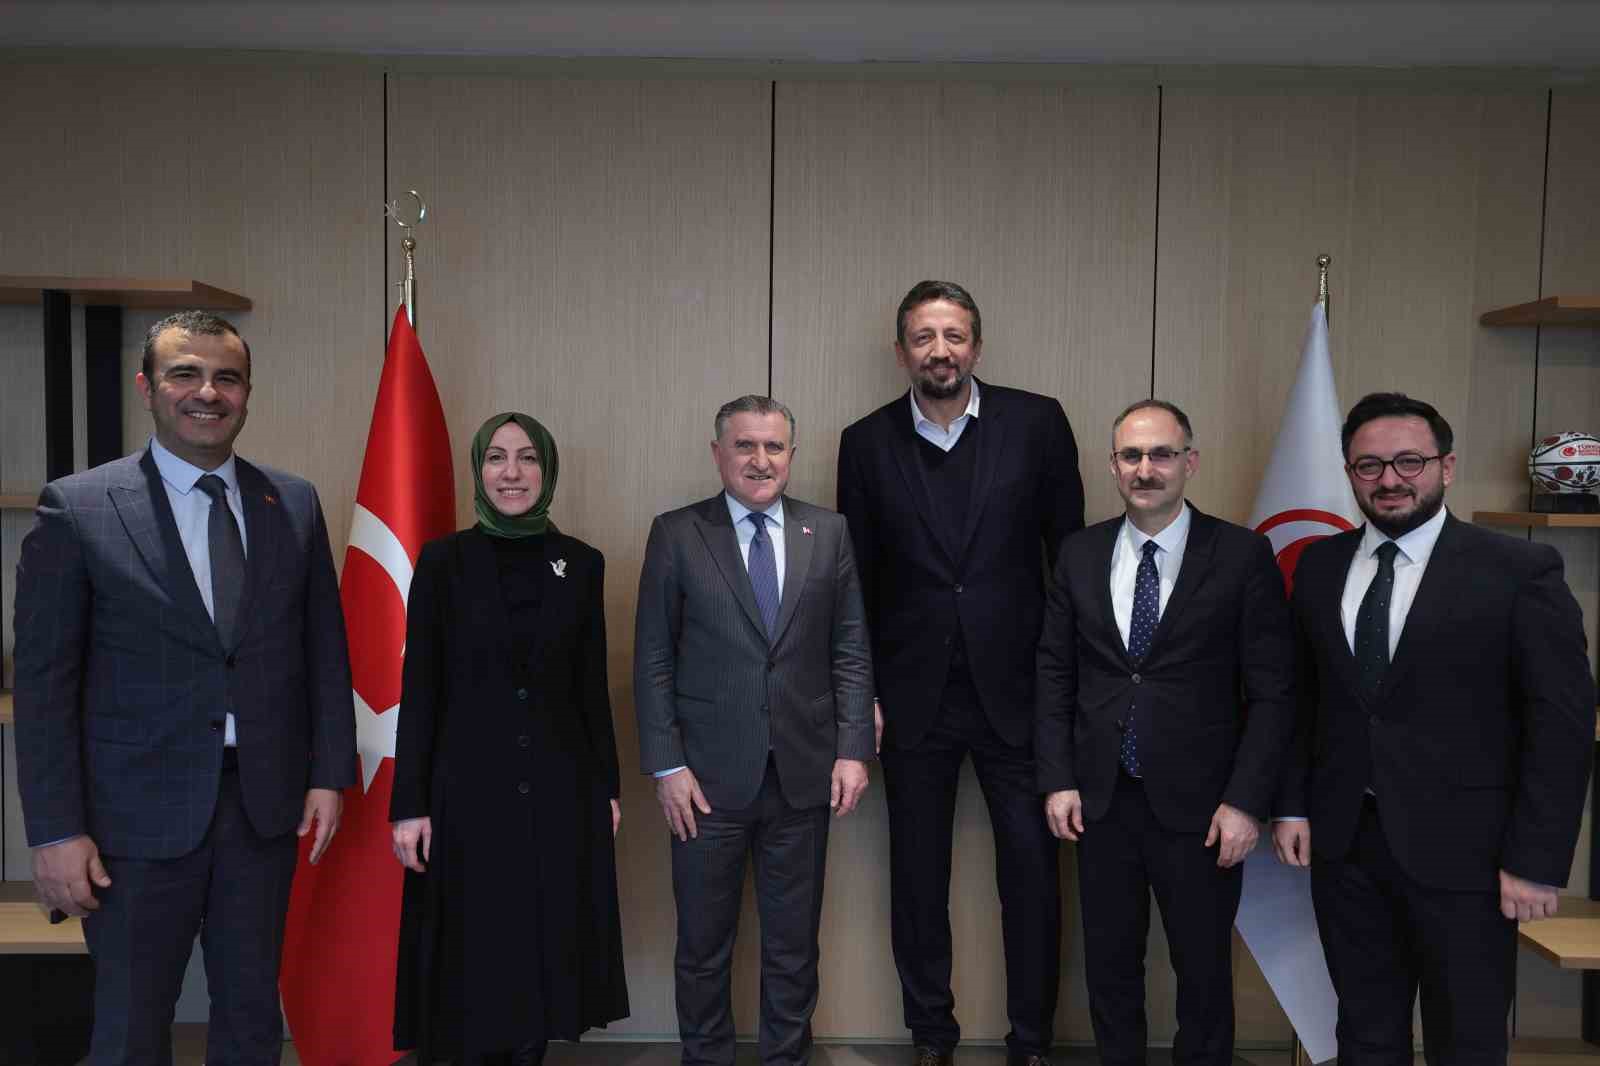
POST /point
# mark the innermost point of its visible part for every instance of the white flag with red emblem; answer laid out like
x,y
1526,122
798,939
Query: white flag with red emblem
x,y
340,945
1304,496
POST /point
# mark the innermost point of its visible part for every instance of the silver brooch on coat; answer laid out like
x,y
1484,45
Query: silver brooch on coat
x,y
560,567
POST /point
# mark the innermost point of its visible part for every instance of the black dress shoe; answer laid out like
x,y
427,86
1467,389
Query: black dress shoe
x,y
1026,1060
529,1055
927,1056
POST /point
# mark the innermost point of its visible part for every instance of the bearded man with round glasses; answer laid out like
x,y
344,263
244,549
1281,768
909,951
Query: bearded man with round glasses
x,y
1437,778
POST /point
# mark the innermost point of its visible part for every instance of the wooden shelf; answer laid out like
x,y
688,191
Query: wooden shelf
x,y
170,293
18,501
1571,939
1550,311
1536,519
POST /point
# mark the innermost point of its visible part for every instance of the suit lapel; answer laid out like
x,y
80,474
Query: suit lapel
x,y
798,545
265,530
1104,549
991,446
551,590
1430,605
716,529
146,515
903,446
1193,573
1330,614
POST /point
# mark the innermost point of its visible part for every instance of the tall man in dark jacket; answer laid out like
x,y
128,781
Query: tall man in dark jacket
x,y
1165,689
1437,779
183,705
957,493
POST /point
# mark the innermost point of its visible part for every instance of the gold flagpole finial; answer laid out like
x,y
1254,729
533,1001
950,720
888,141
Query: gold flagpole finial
x,y
408,284
1322,277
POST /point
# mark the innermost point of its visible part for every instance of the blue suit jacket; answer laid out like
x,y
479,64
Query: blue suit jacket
x,y
122,681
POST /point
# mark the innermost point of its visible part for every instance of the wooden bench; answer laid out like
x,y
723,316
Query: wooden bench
x,y
46,982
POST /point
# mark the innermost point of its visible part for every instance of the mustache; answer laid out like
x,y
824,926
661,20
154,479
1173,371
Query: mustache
x,y
1148,483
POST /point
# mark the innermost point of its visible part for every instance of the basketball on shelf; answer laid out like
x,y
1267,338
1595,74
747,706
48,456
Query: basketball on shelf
x,y
1566,465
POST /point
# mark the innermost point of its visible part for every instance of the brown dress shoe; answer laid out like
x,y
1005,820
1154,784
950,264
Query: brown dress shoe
x,y
927,1056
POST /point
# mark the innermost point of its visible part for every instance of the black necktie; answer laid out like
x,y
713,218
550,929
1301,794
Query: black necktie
x,y
227,558
1372,622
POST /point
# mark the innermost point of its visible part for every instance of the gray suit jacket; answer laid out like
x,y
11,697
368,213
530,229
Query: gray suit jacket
x,y
123,681
714,694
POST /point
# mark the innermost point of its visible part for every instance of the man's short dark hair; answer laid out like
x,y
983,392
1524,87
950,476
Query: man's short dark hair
x,y
926,292
752,405
1158,405
1396,405
202,322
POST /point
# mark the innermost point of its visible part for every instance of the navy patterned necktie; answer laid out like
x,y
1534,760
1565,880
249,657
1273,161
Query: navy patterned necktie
x,y
227,557
1372,622
763,567
1141,627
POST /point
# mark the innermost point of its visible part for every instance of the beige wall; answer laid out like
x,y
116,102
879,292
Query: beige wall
x,y
598,253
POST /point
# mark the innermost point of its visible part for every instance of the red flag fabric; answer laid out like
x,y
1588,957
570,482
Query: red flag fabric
x,y
339,946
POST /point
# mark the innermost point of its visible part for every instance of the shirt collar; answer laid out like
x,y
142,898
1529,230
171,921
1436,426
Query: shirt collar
x,y
737,510
918,419
1168,540
182,474
1416,545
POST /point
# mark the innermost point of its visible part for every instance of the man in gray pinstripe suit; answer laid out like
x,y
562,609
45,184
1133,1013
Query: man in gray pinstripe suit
x,y
183,706
753,686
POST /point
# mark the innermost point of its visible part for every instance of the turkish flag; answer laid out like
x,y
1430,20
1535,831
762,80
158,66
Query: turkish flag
x,y
339,947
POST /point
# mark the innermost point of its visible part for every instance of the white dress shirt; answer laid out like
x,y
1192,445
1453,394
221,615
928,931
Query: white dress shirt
x,y
1126,555
1409,563
935,434
745,531
191,509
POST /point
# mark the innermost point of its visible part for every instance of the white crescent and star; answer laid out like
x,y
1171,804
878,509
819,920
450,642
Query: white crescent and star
x,y
375,730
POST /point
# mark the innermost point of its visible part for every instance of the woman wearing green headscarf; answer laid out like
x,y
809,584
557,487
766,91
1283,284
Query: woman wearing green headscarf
x,y
505,785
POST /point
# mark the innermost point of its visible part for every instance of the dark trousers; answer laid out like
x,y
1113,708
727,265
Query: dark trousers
x,y
920,786
1121,859
233,890
1386,937
789,847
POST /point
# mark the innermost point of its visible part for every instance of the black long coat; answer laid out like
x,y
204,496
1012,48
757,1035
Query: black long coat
x,y
512,934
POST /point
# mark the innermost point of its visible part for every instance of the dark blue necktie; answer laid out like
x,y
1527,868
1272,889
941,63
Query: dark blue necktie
x,y
1142,626
763,567
1372,622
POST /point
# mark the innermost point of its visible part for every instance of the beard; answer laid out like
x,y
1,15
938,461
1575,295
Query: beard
x,y
1396,526
934,389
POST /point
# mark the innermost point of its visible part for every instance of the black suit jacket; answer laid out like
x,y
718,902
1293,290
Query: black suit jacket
x,y
1026,498
1212,698
123,682
715,693
1479,742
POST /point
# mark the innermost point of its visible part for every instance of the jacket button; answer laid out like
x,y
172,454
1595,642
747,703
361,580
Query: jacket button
x,y
524,741
216,727
522,693
524,788
771,665
959,590
1137,679
230,662
763,708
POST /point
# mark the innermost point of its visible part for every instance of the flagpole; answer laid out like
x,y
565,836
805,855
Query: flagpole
x,y
1322,283
408,284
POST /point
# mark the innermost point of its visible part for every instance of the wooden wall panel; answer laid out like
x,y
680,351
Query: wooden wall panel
x,y
1429,205
596,255
1040,199
1568,387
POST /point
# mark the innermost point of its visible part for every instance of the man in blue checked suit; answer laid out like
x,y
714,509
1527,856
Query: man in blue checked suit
x,y
753,687
183,706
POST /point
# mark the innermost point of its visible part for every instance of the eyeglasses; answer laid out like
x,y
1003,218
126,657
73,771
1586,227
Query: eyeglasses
x,y
1407,466
1132,457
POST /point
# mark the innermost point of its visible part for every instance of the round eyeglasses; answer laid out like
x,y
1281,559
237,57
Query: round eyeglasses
x,y
1408,465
